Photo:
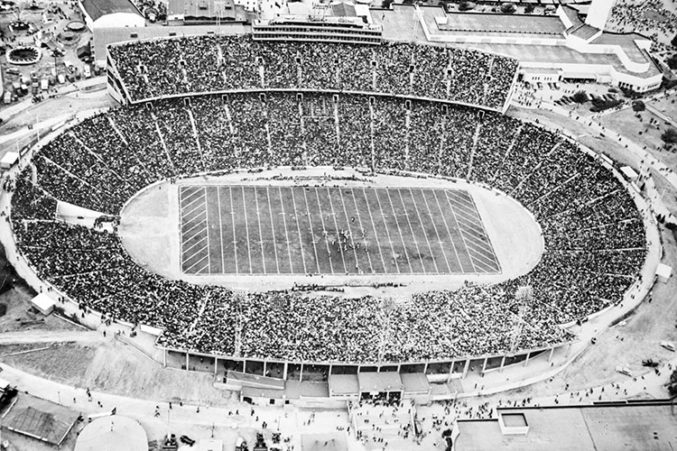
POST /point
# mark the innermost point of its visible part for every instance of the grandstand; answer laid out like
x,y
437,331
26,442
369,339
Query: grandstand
x,y
213,105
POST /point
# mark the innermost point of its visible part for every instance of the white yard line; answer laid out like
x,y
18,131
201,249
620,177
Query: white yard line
x,y
359,220
439,239
223,254
298,228
286,234
246,228
333,213
272,229
392,208
373,226
453,212
446,226
411,229
188,270
192,246
187,210
324,230
209,257
420,223
258,219
199,219
345,213
392,248
187,196
312,236
232,217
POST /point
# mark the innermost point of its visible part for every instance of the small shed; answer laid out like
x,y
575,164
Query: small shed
x,y
630,173
9,159
210,444
388,384
43,303
663,272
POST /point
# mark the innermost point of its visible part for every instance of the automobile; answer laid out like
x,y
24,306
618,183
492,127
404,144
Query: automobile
x,y
187,440
13,71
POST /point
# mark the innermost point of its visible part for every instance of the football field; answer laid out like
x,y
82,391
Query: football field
x,y
256,229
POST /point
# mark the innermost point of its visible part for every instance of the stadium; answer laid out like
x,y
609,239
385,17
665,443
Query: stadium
x,y
299,210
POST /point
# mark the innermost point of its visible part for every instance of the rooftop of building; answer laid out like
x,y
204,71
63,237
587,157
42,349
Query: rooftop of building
x,y
524,25
591,427
98,8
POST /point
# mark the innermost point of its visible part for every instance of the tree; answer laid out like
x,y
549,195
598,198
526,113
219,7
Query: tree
x,y
672,385
580,97
466,6
638,105
529,8
670,136
672,62
508,8
387,3
674,41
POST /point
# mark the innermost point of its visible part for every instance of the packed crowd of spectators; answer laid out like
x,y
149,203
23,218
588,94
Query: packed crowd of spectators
x,y
594,237
208,64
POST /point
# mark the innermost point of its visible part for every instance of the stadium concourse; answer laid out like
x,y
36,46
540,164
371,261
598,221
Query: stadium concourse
x,y
595,242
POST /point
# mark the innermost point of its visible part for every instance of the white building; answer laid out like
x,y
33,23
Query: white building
x,y
111,14
550,48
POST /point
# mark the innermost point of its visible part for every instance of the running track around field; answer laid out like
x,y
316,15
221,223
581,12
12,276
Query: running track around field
x,y
251,229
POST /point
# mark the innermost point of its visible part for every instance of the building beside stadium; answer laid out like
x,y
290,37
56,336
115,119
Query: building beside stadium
x,y
552,48
604,426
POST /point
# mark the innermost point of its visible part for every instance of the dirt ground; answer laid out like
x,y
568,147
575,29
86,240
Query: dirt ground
x,y
149,231
114,367
636,127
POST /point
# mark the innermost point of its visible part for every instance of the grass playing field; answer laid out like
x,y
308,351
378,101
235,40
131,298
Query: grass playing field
x,y
236,229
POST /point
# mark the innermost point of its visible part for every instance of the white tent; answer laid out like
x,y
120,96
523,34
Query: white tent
x,y
112,433
663,272
8,160
630,173
43,303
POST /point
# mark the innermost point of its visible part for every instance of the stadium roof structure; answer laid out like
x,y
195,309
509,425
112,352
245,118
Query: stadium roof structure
x,y
99,8
224,9
386,381
112,433
40,419
537,26
635,425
